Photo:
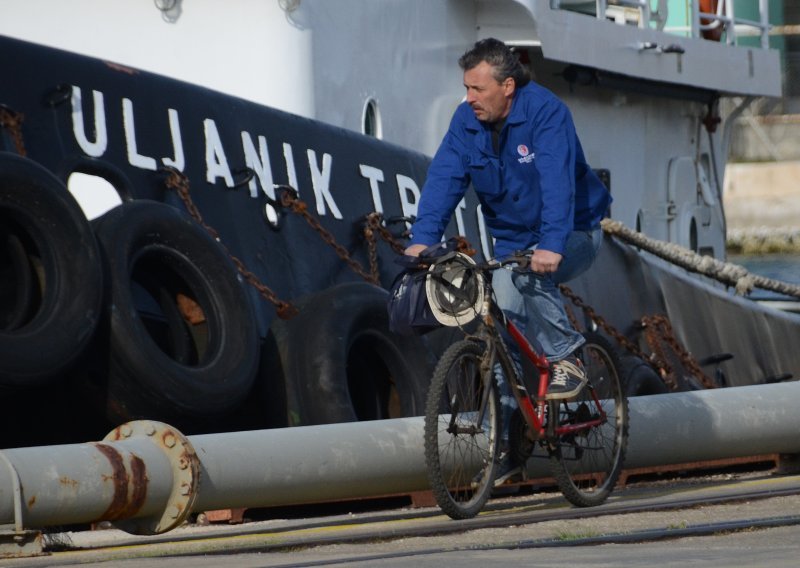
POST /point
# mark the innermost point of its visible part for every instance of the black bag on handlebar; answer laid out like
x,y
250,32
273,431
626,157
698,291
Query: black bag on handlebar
x,y
409,311
409,307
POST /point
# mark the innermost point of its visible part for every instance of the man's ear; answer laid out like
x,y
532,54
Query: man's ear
x,y
509,86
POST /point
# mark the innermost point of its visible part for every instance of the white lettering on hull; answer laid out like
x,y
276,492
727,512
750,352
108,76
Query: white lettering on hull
x,y
258,161
98,147
321,181
216,161
462,205
179,162
134,157
256,157
483,234
407,187
291,172
374,175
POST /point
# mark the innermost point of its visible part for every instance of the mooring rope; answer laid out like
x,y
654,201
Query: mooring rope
x,y
728,273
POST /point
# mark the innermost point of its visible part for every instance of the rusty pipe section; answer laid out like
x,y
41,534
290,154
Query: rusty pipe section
x,y
143,477
86,482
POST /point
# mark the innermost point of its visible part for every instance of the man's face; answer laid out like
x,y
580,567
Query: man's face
x,y
490,100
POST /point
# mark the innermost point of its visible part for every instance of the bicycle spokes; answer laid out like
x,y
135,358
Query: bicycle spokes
x,y
588,441
461,430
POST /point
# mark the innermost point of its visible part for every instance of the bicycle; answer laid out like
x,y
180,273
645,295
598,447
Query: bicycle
x,y
584,437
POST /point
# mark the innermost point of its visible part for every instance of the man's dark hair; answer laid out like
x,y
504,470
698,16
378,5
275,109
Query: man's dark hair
x,y
498,55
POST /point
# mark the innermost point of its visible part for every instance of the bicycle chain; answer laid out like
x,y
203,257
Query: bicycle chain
x,y
12,121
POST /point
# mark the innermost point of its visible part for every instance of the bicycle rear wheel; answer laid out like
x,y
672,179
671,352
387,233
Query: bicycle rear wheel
x,y
461,431
587,463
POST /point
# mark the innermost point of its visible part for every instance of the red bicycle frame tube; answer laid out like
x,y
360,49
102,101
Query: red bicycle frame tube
x,y
535,415
569,428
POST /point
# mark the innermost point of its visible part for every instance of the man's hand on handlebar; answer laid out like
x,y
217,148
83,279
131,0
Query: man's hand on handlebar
x,y
545,261
414,250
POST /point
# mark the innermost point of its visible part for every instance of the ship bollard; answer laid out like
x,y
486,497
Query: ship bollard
x,y
146,477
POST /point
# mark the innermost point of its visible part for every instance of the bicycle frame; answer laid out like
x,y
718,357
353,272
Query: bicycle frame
x,y
465,425
535,415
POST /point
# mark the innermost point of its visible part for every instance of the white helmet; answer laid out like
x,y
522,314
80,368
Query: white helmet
x,y
455,290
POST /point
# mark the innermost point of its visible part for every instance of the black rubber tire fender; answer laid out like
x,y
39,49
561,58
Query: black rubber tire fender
x,y
639,378
160,364
52,279
18,286
339,362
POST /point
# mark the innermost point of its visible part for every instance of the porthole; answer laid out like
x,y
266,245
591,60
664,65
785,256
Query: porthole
x,y
371,119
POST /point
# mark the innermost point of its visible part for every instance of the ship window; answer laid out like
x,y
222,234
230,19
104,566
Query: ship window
x,y
371,121
94,194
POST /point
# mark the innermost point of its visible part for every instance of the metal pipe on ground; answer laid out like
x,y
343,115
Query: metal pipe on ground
x,y
91,482
143,476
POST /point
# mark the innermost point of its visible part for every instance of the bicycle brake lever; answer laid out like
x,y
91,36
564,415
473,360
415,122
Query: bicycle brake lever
x,y
522,259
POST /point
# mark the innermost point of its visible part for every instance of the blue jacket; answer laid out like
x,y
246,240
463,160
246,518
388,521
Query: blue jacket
x,y
537,190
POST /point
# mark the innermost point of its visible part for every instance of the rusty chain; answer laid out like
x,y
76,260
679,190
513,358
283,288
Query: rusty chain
x,y
601,322
180,183
662,329
374,221
372,250
288,199
373,227
657,331
12,121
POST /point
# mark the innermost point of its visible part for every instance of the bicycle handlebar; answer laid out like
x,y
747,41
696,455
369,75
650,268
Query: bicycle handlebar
x,y
521,259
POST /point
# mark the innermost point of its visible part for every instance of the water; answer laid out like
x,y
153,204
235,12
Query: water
x,y
783,267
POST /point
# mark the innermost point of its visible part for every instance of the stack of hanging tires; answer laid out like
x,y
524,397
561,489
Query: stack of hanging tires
x,y
138,315
337,361
50,302
141,314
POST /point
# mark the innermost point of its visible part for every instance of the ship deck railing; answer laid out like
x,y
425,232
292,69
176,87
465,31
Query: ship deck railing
x,y
642,14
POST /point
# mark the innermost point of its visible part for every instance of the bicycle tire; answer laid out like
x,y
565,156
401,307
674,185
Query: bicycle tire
x,y
587,464
461,464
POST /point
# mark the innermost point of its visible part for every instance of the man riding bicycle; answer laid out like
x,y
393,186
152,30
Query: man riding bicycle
x,y
515,142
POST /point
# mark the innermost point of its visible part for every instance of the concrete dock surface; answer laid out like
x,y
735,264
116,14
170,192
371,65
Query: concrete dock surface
x,y
736,518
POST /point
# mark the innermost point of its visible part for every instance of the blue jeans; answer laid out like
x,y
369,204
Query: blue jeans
x,y
532,301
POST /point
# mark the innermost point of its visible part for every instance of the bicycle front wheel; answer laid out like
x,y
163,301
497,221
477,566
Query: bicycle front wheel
x,y
587,461
461,430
